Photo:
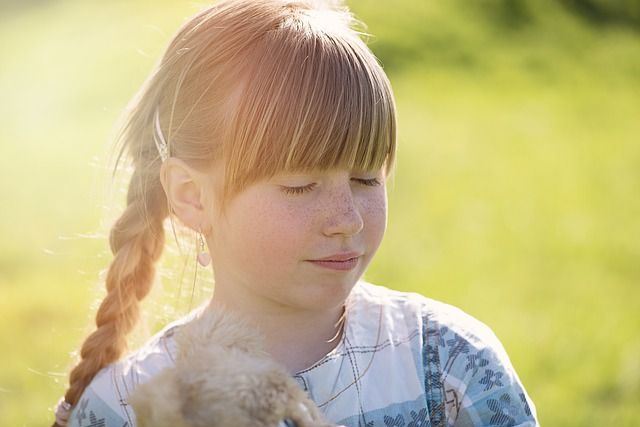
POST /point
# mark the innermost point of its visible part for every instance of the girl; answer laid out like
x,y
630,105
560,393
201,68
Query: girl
x,y
269,128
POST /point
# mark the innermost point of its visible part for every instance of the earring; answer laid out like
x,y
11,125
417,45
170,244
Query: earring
x,y
203,257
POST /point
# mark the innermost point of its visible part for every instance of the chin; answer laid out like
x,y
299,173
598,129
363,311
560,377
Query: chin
x,y
328,294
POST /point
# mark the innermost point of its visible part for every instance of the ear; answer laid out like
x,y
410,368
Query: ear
x,y
184,187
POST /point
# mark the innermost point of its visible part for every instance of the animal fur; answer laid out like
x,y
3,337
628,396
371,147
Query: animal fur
x,y
222,378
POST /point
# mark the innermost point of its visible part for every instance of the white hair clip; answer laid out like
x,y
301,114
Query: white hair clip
x,y
161,144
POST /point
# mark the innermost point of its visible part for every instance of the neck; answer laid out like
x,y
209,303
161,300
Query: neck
x,y
294,338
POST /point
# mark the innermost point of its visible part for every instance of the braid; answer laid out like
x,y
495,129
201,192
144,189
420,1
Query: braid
x,y
136,241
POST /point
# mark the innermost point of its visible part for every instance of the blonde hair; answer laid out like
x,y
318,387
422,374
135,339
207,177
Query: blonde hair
x,y
260,87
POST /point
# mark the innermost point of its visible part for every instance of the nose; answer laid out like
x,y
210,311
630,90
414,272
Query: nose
x,y
343,213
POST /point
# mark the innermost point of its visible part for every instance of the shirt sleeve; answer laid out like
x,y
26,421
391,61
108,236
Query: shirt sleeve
x,y
475,378
92,411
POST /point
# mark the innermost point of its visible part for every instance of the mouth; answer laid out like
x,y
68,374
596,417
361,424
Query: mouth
x,y
345,265
343,256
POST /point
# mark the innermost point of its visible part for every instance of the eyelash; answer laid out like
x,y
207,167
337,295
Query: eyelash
x,y
299,190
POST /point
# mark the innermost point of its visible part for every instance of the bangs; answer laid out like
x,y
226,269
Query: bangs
x,y
309,101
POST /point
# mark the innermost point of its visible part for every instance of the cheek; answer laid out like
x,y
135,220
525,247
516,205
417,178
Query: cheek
x,y
375,213
274,233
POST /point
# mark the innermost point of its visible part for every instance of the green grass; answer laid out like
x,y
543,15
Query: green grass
x,y
515,196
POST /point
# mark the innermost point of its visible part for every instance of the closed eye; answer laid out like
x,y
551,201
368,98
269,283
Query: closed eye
x,y
298,190
373,182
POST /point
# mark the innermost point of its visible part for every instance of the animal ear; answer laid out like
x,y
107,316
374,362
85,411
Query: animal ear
x,y
157,403
217,328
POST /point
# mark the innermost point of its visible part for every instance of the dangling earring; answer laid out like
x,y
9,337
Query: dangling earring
x,y
203,257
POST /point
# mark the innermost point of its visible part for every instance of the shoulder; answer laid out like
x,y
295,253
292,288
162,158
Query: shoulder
x,y
468,378
420,309
415,312
452,328
105,401
469,373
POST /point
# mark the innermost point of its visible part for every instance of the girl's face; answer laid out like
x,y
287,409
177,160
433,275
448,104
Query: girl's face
x,y
261,249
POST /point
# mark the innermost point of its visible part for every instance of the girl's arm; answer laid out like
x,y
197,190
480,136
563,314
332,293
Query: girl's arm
x,y
93,411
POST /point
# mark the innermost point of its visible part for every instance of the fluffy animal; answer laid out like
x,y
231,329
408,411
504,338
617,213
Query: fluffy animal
x,y
223,378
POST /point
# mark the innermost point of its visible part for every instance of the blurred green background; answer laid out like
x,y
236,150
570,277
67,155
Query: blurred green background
x,y
516,195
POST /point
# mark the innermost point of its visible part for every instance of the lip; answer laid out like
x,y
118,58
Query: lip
x,y
343,256
346,265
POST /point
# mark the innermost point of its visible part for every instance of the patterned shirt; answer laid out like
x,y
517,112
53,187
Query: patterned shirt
x,y
404,360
